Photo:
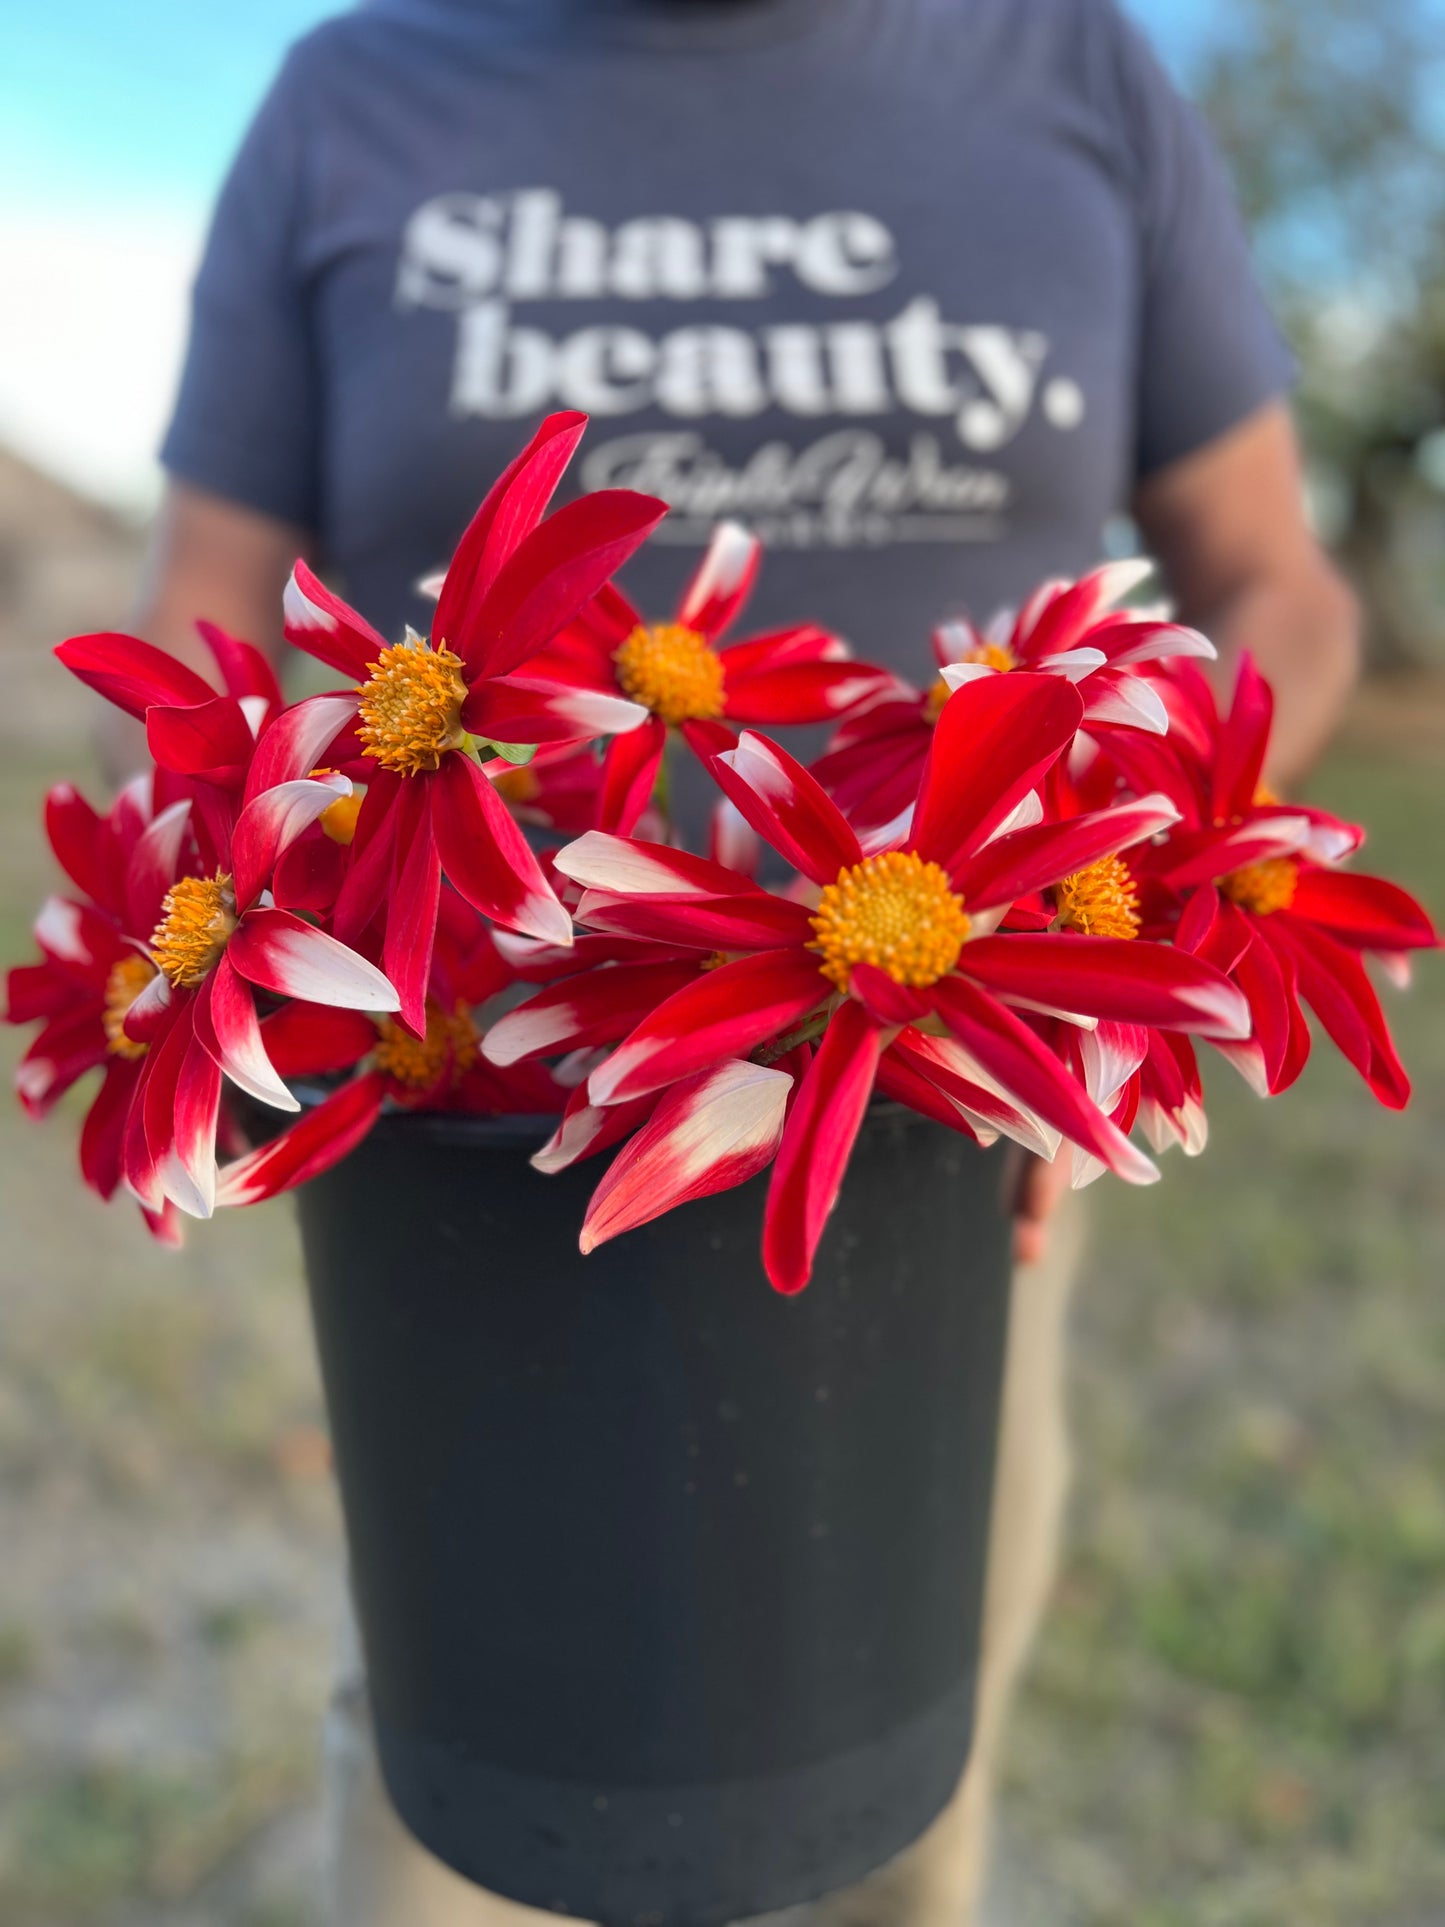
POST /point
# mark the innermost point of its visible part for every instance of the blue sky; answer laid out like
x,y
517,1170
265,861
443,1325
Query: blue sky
x,y
116,126
144,103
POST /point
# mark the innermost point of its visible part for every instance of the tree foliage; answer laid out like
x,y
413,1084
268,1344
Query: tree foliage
x,y
1332,113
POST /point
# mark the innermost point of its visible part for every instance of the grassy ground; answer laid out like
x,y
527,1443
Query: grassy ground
x,y
1237,1716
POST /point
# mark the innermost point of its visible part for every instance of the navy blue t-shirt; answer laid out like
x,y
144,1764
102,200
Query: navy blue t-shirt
x,y
919,289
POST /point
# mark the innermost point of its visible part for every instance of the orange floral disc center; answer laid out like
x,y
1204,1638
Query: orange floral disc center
x,y
442,1057
1263,887
894,911
129,975
671,670
338,819
993,655
411,707
197,918
1100,901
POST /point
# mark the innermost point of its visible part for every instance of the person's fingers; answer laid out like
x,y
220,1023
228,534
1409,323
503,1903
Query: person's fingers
x,y
1037,1191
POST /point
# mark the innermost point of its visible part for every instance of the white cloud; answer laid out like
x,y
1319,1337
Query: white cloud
x,y
91,335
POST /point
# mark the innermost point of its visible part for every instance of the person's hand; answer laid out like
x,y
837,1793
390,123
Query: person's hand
x,y
1036,1188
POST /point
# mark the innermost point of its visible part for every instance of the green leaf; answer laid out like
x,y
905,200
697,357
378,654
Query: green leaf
x,y
513,752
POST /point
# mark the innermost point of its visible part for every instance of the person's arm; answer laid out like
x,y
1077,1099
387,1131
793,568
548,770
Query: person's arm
x,y
1229,530
207,557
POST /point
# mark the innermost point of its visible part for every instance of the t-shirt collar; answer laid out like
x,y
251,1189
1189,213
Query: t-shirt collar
x,y
701,24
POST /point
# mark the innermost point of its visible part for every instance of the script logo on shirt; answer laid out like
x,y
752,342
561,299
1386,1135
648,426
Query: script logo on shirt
x,y
970,387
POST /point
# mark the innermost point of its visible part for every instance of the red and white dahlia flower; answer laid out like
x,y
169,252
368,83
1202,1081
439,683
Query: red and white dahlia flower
x,y
884,963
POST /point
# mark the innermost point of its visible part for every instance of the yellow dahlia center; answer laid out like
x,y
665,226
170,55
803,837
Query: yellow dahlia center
x,y
518,785
1101,901
672,671
197,918
338,819
1263,887
894,911
411,707
447,1051
993,655
129,975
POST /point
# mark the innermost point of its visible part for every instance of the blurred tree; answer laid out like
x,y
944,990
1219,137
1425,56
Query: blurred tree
x,y
1333,115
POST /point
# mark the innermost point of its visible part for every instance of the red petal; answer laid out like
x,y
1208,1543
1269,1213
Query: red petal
x,y
65,1049
596,1008
77,836
487,858
318,1140
1243,740
900,1079
188,1168
779,648
373,846
281,953
787,807
722,581
810,692
103,1133
529,709
817,1144
750,921
1132,982
130,673
553,571
1334,984
1021,861
298,741
270,823
1365,912
227,1025
886,1002
244,670
414,902
629,866
40,990
708,1134
995,740
1006,1048
308,1040
588,1128
510,510
725,1013
211,739
324,626
154,866
629,775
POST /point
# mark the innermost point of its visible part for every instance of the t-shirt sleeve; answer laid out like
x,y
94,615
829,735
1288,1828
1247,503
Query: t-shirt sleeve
x,y
1210,353
246,421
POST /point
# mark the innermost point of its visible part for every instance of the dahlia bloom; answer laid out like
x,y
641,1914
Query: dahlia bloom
x,y
425,710
689,683
888,953
89,974
214,943
1252,884
1066,629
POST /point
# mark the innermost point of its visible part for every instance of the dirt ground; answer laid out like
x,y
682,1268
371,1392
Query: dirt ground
x,y
1236,1718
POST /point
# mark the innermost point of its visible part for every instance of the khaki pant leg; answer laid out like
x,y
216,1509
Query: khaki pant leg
x,y
938,1881
378,1873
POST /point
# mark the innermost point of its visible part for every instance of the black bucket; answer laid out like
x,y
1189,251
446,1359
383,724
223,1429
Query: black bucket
x,y
669,1587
